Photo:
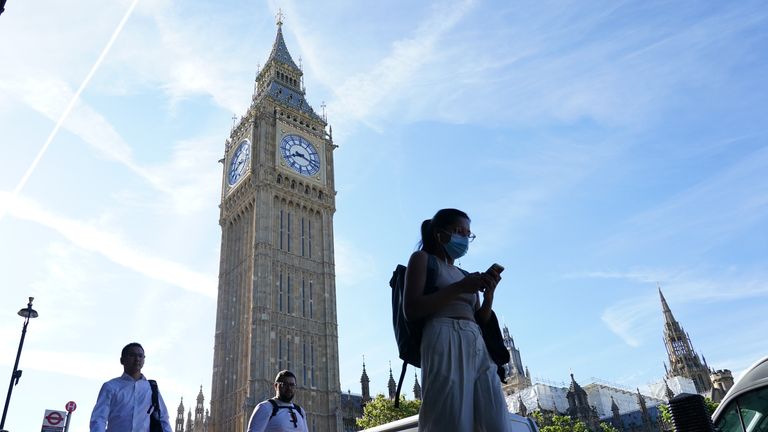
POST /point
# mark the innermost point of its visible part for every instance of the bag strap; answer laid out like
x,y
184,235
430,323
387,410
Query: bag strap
x,y
155,401
276,407
400,384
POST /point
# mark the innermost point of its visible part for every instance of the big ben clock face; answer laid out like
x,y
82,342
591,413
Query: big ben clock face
x,y
300,155
239,162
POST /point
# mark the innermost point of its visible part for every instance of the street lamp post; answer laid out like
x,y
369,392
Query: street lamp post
x,y
27,313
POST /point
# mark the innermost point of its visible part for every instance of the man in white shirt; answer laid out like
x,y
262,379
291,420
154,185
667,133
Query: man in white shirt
x,y
279,414
125,403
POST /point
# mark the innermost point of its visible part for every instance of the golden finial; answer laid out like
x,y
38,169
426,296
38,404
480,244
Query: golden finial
x,y
279,17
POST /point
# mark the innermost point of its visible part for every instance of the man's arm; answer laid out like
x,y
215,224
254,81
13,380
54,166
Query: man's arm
x,y
260,417
164,417
100,412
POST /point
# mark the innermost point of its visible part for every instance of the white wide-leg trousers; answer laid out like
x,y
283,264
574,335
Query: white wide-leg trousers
x,y
461,391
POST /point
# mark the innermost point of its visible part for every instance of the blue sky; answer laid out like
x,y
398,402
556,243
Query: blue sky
x,y
601,149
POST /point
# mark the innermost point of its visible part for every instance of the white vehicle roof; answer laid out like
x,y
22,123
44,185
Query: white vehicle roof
x,y
755,377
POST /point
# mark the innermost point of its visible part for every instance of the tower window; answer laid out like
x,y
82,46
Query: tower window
x,y
280,352
309,236
302,236
288,354
288,231
303,298
312,364
311,302
304,362
280,292
288,294
281,230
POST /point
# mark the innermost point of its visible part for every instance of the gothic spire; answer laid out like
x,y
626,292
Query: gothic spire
x,y
180,417
391,384
416,387
668,318
668,391
523,411
365,384
616,418
279,49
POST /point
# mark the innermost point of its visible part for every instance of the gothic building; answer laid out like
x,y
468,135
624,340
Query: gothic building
x,y
579,407
201,419
276,305
517,377
683,360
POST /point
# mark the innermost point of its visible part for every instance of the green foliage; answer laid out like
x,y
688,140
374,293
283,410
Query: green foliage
x,y
538,417
666,415
561,423
382,410
711,405
605,427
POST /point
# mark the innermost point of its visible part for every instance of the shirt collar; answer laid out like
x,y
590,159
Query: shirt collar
x,y
127,377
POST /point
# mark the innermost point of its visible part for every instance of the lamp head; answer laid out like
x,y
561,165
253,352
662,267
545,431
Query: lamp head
x,y
28,312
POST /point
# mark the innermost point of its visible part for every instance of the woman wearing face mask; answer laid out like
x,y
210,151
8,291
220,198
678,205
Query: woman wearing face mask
x,y
460,387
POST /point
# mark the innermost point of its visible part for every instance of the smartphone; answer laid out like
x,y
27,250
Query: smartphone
x,y
498,268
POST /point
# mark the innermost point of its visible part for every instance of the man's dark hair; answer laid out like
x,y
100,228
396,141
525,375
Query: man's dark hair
x,y
129,346
283,374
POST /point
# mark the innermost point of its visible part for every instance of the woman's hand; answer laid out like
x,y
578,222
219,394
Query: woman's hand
x,y
472,283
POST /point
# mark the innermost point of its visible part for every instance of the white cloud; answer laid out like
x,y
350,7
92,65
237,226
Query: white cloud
x,y
634,319
112,247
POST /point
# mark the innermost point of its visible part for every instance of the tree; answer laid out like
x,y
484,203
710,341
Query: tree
x,y
382,410
606,427
565,424
666,417
711,405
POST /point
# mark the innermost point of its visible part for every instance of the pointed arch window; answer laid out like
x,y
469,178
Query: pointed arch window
x,y
288,295
288,232
311,301
309,236
302,236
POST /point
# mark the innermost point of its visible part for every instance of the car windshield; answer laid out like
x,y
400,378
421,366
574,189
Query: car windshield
x,y
746,414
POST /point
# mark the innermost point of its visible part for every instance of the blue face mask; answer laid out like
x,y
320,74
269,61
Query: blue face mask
x,y
457,247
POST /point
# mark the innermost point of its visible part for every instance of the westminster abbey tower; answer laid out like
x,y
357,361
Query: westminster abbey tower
x,y
276,306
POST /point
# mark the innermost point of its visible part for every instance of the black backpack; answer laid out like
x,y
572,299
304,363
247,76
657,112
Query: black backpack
x,y
408,333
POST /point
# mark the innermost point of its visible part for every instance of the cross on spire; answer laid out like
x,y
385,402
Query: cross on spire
x,y
279,17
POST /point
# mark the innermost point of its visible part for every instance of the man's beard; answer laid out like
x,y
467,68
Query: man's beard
x,y
284,398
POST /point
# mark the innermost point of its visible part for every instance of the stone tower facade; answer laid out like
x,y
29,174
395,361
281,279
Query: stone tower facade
x,y
276,306
683,360
517,378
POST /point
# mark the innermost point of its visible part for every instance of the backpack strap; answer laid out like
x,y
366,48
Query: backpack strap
x,y
155,407
299,409
276,407
400,384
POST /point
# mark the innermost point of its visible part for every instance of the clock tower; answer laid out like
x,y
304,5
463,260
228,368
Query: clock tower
x,y
276,306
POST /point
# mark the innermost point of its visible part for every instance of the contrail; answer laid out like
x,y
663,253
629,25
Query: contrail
x,y
65,114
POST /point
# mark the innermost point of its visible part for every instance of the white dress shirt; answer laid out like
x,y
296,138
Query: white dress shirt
x,y
285,420
122,406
